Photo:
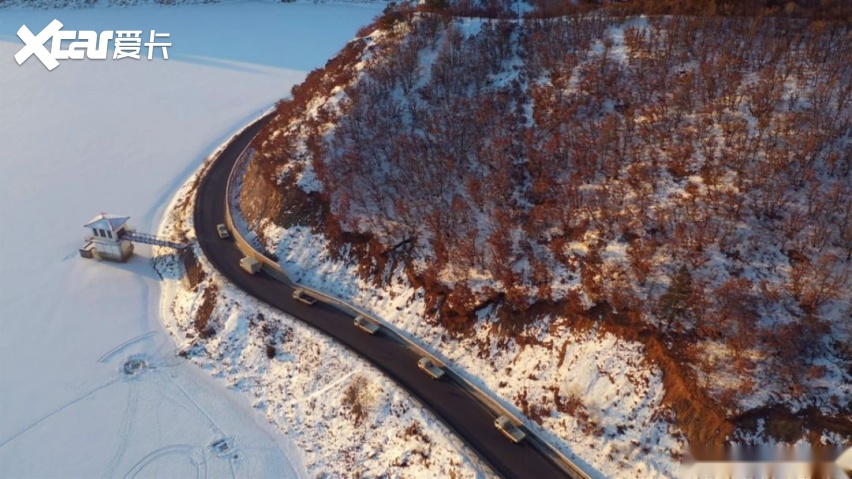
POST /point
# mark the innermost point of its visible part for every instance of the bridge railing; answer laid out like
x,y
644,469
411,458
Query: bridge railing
x,y
146,238
274,269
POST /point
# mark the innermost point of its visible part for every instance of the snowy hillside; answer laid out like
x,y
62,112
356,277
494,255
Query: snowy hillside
x,y
519,189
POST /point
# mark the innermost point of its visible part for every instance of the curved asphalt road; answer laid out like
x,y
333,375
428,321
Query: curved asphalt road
x,y
459,410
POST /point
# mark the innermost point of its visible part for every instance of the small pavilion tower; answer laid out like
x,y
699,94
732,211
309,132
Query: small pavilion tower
x,y
110,238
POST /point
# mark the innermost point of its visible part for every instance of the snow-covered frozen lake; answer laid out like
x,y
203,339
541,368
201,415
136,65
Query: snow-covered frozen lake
x,y
121,136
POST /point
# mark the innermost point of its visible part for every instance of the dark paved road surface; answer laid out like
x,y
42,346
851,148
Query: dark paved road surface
x,y
458,409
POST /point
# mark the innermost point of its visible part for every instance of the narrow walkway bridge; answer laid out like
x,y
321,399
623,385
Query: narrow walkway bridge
x,y
111,238
146,238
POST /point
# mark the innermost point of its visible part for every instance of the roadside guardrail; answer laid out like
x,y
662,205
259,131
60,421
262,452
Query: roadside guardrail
x,y
274,269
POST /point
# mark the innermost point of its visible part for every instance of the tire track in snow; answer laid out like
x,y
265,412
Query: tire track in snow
x,y
124,431
58,410
195,455
123,345
213,423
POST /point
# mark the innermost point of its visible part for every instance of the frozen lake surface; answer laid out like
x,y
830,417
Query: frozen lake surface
x,y
89,381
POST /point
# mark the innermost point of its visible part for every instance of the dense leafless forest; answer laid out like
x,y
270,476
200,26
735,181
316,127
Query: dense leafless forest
x,y
812,9
688,177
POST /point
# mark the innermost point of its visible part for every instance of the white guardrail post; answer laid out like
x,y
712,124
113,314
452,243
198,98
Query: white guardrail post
x,y
272,268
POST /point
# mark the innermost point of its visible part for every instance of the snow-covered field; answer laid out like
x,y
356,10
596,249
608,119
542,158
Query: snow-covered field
x,y
122,136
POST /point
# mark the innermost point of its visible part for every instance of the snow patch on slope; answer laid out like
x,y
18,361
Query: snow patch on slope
x,y
343,413
617,394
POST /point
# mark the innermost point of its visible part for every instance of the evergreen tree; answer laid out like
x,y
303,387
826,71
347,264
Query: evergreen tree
x,y
674,303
